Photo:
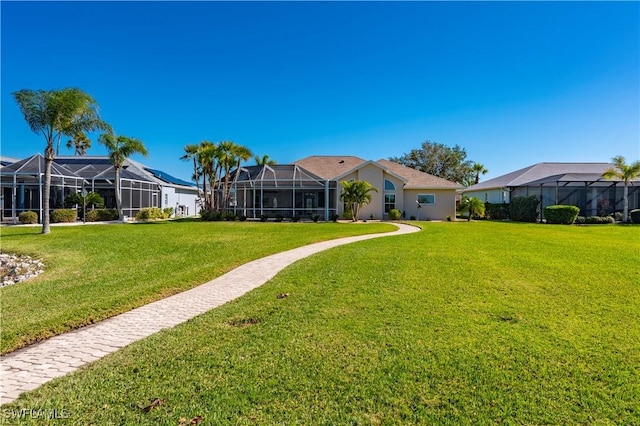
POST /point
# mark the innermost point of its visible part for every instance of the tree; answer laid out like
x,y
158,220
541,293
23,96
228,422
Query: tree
x,y
80,143
120,148
191,154
355,194
231,155
474,206
479,169
264,160
439,160
53,114
84,199
626,173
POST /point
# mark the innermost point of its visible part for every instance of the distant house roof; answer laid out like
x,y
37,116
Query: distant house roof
x,y
332,167
541,173
167,178
278,173
34,165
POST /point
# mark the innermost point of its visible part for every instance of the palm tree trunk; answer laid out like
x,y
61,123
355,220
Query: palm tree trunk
x,y
625,203
48,162
118,195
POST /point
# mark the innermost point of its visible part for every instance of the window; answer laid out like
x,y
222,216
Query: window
x,y
427,199
389,186
389,202
166,199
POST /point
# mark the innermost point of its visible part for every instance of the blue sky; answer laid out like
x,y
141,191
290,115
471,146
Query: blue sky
x,y
514,83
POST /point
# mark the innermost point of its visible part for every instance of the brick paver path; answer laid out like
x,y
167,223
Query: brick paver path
x,y
30,367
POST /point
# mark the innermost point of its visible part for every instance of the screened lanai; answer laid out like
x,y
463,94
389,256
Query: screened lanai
x,y
286,190
594,195
22,185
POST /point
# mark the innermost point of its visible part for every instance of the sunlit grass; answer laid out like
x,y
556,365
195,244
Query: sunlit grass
x,y
463,323
93,272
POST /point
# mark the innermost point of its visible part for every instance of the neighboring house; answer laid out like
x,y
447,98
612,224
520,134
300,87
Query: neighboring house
x,y
311,186
577,184
22,183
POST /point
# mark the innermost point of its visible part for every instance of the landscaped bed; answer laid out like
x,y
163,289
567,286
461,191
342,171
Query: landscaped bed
x,y
94,272
463,323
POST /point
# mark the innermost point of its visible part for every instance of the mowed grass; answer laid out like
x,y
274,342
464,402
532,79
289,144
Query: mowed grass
x,y
462,323
94,272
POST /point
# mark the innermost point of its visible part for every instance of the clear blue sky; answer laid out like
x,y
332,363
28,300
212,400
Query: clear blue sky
x,y
514,83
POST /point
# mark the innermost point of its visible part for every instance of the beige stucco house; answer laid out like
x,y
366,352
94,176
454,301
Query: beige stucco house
x,y
312,186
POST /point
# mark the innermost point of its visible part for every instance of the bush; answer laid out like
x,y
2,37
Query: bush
x,y
635,215
28,217
167,212
561,214
335,217
102,215
496,211
64,215
150,213
210,215
412,217
279,217
242,218
264,217
594,220
315,217
394,214
295,219
230,217
524,209
347,214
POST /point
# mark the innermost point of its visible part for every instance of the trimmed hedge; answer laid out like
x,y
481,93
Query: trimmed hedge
x,y
28,217
561,214
594,220
102,215
151,213
635,215
394,214
64,215
524,209
496,211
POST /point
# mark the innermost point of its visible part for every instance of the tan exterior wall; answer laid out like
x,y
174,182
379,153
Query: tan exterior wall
x,y
373,175
444,206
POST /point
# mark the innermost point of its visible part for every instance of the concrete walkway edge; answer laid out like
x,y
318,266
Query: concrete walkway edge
x,y
30,367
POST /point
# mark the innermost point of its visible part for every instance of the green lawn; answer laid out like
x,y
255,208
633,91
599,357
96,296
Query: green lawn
x,y
462,323
97,271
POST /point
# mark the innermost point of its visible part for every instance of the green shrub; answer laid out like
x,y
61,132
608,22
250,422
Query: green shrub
x,y
102,215
524,209
561,214
347,214
229,216
28,217
594,220
279,217
394,214
150,213
635,215
211,215
335,217
496,211
242,218
167,212
295,219
64,215
264,217
412,217
315,217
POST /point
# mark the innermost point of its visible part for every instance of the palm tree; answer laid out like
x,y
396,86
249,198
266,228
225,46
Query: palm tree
x,y
473,205
80,143
191,154
120,148
356,193
479,169
626,173
53,114
231,155
264,160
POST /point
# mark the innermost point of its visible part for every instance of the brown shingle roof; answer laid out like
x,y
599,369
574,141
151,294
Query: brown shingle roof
x,y
417,179
330,166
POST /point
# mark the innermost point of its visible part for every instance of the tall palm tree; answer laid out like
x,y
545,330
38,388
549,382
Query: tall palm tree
x,y
191,154
264,160
120,148
473,205
356,193
53,114
80,143
231,156
479,169
626,173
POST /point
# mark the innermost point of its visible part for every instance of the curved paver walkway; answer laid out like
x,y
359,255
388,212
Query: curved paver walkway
x,y
28,368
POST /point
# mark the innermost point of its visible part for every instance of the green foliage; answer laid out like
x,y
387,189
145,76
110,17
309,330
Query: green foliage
x,y
635,215
264,217
242,218
64,215
295,219
90,200
413,217
594,220
348,214
28,217
355,194
561,214
334,217
394,214
279,217
102,215
524,209
440,160
150,213
167,212
471,205
496,211
315,217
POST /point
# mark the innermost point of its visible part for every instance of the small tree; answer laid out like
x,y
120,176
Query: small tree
x,y
120,148
626,173
355,194
474,206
